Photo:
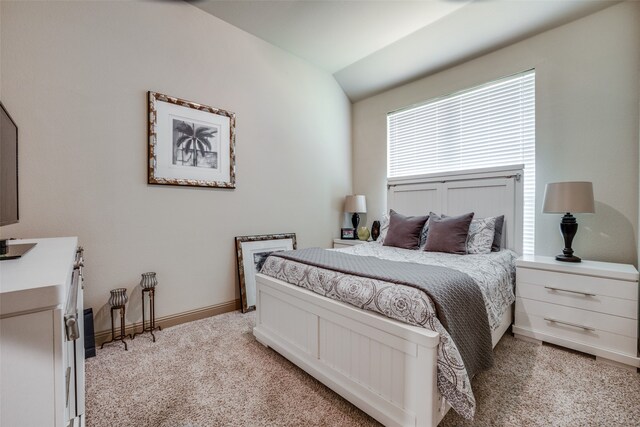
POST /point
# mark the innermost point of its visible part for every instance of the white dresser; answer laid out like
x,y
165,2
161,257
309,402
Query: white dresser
x,y
41,336
589,306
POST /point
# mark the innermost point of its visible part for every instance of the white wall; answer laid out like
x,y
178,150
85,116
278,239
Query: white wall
x,y
75,77
587,93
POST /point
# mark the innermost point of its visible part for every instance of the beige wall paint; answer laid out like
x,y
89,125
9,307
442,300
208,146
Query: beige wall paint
x,y
587,91
75,76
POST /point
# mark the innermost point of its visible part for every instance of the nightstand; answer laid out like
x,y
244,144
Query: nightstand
x,y
589,306
344,243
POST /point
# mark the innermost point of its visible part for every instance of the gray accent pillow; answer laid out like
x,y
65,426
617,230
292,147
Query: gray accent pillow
x,y
481,234
404,231
497,237
448,234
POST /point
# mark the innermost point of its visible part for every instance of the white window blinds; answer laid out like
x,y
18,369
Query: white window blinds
x,y
486,126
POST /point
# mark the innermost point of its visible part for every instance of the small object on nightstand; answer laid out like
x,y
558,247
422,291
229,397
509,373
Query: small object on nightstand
x,y
567,197
148,285
363,233
118,301
347,233
355,204
375,230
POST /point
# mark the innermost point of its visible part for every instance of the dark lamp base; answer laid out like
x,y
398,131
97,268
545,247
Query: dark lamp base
x,y
568,228
355,220
565,258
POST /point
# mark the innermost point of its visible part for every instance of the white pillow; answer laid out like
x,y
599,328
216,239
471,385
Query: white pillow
x,y
384,227
423,235
480,238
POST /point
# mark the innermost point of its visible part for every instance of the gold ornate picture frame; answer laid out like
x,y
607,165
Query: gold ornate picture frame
x,y
251,253
190,144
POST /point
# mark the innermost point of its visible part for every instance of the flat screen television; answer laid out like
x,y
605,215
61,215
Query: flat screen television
x,y
8,169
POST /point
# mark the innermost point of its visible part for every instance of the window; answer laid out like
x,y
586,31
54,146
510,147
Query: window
x,y
485,126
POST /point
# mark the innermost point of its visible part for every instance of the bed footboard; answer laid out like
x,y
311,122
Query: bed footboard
x,y
382,366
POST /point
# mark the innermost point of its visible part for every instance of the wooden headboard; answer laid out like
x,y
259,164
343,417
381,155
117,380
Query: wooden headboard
x,y
487,192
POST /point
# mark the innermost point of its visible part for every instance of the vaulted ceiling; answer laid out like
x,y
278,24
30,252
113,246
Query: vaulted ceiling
x,y
371,46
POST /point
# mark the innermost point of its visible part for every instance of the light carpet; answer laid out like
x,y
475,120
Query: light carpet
x,y
213,372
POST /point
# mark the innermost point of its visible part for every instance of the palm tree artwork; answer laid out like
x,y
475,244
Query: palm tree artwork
x,y
191,140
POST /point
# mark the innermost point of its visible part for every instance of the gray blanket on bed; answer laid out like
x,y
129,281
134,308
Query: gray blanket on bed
x,y
456,296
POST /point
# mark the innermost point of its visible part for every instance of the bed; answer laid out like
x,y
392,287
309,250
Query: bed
x,y
386,367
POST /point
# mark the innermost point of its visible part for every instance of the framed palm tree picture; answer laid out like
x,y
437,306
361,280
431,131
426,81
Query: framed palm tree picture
x,y
190,144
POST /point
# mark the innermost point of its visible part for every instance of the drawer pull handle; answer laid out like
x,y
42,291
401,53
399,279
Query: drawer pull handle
x,y
67,379
575,325
586,294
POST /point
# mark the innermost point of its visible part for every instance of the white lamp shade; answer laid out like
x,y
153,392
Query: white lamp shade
x,y
356,203
569,197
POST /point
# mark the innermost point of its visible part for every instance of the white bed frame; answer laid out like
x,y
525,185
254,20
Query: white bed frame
x,y
385,367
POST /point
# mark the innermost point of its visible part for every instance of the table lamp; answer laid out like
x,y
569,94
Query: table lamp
x,y
567,197
355,204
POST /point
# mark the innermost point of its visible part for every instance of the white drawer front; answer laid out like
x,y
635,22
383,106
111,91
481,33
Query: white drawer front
x,y
339,245
531,315
575,282
598,303
599,321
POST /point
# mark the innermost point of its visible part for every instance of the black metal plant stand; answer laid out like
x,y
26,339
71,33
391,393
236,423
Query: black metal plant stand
x,y
152,314
122,334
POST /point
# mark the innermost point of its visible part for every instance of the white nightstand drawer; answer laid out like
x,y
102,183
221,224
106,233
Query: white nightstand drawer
x,y
546,331
564,295
548,320
588,319
575,282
